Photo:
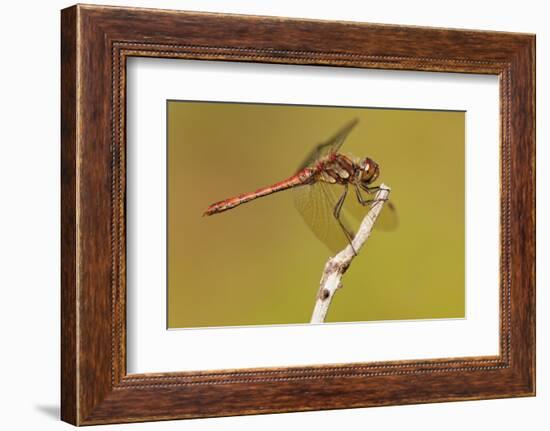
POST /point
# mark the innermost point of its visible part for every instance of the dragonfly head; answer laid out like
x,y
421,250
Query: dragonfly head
x,y
369,171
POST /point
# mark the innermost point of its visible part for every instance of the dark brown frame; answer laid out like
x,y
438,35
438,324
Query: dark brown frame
x,y
95,42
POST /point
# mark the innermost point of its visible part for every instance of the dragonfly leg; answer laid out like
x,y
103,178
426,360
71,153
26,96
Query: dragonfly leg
x,y
337,210
363,201
370,190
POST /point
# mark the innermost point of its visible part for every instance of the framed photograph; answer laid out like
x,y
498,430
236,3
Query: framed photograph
x,y
263,214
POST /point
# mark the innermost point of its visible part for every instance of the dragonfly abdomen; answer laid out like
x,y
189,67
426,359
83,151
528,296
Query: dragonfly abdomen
x,y
305,176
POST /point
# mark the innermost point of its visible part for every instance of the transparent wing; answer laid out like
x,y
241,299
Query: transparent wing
x,y
388,219
316,203
331,145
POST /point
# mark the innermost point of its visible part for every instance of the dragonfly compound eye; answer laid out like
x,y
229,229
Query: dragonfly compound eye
x,y
370,170
367,165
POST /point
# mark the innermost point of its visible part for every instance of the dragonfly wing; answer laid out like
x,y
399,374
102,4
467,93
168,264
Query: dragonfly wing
x,y
387,220
315,203
331,145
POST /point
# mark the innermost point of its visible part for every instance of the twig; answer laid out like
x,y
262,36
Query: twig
x,y
336,266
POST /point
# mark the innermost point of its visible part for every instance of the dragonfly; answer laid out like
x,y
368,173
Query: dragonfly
x,y
321,185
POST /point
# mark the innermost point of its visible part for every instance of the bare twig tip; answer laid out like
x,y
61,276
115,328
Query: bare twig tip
x,y
336,266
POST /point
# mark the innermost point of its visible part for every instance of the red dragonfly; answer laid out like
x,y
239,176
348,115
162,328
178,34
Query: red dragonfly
x,y
321,186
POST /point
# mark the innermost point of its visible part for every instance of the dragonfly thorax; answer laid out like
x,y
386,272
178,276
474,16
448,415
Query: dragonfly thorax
x,y
337,168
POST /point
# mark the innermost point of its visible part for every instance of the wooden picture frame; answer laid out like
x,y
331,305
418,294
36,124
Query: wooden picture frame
x,y
95,43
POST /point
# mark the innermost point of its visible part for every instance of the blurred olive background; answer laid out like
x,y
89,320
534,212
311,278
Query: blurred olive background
x,y
260,264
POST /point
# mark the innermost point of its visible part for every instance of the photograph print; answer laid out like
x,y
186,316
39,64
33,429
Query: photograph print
x,y
260,196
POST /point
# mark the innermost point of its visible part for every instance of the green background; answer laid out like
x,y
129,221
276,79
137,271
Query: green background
x,y
260,264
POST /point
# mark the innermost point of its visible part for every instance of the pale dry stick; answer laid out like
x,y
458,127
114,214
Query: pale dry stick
x,y
336,266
